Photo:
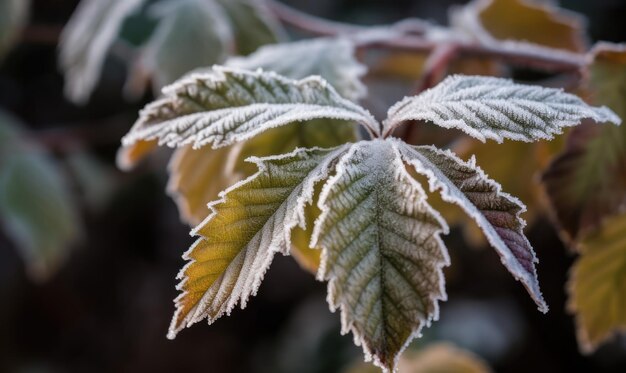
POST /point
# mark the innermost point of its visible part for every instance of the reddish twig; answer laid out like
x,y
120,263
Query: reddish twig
x,y
544,58
309,23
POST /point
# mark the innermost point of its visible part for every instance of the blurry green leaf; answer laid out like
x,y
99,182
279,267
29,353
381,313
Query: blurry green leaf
x,y
36,209
13,14
588,180
597,285
190,34
86,40
252,24
95,180
382,251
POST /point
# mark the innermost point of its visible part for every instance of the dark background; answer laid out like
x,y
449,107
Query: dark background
x,y
109,307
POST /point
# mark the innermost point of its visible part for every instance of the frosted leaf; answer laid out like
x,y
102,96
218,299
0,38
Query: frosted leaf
x,y
331,58
494,108
190,33
382,251
198,175
86,40
231,105
249,224
496,213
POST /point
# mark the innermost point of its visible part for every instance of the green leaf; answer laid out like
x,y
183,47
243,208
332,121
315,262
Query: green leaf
x,y
231,105
382,253
86,40
251,223
190,34
36,210
588,180
597,285
13,16
494,108
252,24
496,213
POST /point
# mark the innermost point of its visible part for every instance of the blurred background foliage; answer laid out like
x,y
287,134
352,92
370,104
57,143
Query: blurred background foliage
x,y
89,254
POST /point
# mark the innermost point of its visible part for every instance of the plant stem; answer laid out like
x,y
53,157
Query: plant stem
x,y
309,23
520,54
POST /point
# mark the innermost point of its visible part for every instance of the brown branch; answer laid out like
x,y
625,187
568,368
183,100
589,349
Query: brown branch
x,y
309,23
518,54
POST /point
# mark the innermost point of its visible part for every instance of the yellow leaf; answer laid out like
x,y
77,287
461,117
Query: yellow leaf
x,y
587,181
436,358
444,358
307,257
536,23
129,156
597,285
197,176
410,65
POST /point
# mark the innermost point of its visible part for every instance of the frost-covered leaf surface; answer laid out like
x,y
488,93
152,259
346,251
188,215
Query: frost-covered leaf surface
x,y
382,251
495,212
190,33
36,209
231,105
331,58
494,108
588,180
251,223
86,40
13,14
252,24
597,285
